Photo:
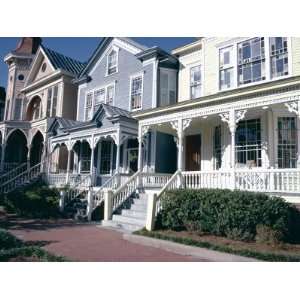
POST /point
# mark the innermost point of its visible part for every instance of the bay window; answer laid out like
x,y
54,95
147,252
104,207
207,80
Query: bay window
x,y
251,61
279,56
136,92
287,142
226,68
248,143
195,82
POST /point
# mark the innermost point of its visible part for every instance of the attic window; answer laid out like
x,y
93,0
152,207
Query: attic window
x,y
112,62
44,67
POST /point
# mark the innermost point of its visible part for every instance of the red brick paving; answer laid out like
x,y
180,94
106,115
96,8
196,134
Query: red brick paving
x,y
89,243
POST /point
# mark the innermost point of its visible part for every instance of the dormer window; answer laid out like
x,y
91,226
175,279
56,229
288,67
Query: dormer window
x,y
112,62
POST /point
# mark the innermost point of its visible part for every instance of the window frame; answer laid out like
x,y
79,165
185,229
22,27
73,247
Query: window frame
x,y
227,67
50,109
131,78
200,82
116,50
269,78
92,91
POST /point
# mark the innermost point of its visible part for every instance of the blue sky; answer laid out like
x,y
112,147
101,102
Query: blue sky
x,y
82,48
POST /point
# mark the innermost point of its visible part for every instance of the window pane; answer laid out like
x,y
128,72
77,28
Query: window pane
x,y
195,82
110,94
136,92
88,106
54,101
278,56
112,62
105,161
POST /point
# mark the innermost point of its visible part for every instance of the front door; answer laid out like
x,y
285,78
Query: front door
x,y
193,153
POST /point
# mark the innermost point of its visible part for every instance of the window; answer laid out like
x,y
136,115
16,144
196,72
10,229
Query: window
x,y
248,143
287,142
217,148
21,77
105,161
110,94
99,97
7,109
167,87
18,109
279,56
195,82
136,92
44,67
88,106
226,68
36,107
251,61
112,61
52,101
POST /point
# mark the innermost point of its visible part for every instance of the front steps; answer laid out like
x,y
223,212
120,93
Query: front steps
x,y
131,218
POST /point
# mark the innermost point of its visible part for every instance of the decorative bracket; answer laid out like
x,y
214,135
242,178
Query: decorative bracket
x,y
232,118
293,107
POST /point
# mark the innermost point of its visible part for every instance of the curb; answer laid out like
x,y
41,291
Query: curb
x,y
185,250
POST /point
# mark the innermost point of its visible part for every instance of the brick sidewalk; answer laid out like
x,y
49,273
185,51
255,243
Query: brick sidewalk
x,y
82,242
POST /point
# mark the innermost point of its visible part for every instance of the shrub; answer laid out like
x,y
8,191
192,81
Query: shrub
x,y
234,214
7,240
267,235
36,200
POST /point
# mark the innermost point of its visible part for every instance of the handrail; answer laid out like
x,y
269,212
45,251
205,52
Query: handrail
x,y
125,191
12,173
170,185
24,176
76,190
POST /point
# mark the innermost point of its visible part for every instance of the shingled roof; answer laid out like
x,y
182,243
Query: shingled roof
x,y
60,61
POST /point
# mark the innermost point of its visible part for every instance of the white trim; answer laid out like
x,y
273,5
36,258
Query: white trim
x,y
131,78
154,83
194,65
80,87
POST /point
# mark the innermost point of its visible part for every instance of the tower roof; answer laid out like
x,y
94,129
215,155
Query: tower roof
x,y
28,45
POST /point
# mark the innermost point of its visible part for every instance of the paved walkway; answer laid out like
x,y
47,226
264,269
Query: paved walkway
x,y
81,242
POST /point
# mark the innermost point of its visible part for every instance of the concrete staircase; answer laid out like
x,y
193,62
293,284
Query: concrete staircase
x,y
132,216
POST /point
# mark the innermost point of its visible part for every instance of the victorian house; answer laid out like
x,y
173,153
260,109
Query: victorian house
x,y
39,89
135,122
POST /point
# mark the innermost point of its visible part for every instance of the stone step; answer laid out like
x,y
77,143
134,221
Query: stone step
x,y
129,220
122,226
138,207
133,213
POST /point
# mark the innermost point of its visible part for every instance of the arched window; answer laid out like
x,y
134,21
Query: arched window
x,y
34,110
112,62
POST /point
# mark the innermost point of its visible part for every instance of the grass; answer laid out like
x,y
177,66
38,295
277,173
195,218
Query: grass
x,y
282,252
14,249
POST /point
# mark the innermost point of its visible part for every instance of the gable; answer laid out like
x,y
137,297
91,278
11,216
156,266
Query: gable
x,y
40,68
105,46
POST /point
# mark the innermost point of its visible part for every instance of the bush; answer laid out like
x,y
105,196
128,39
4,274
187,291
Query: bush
x,y
234,214
7,240
267,235
36,200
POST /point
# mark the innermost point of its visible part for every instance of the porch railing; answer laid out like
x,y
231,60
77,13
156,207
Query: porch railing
x,y
13,173
259,180
207,179
56,179
76,189
154,180
21,179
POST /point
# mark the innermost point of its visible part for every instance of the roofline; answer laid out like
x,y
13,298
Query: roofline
x,y
187,47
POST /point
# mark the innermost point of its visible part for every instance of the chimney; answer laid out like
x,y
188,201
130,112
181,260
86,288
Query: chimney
x,y
28,45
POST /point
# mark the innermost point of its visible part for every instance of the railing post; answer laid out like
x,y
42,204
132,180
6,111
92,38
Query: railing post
x,y
108,195
272,181
90,204
62,200
151,209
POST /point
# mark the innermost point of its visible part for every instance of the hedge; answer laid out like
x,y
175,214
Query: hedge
x,y
7,240
233,214
36,200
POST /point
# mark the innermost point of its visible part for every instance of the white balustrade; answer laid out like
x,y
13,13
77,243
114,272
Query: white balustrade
x,y
21,179
13,173
207,179
154,179
56,179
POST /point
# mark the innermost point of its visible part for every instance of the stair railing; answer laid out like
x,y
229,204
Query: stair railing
x,y
174,183
13,173
21,179
79,188
125,191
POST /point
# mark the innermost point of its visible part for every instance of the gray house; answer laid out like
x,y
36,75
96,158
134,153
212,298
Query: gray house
x,y
122,77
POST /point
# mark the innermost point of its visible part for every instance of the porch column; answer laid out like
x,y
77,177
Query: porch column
x,y
68,166
92,162
3,146
180,145
118,158
140,154
28,156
